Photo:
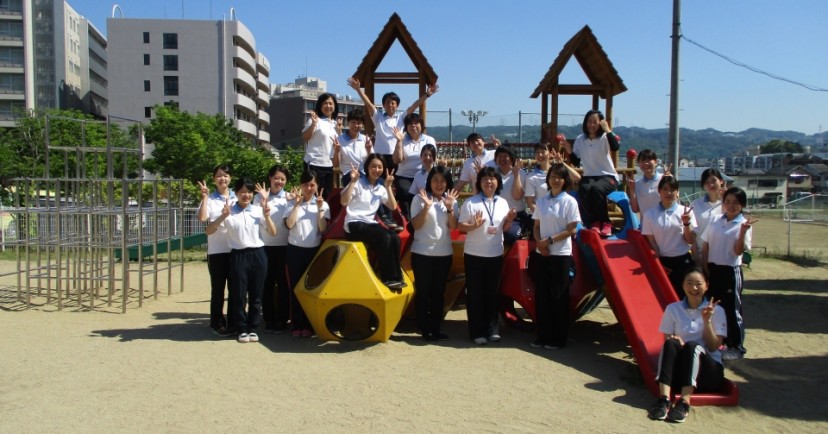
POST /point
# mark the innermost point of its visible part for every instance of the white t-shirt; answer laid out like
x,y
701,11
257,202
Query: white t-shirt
x,y
305,233
319,147
365,201
419,182
244,226
385,140
594,155
646,191
555,213
666,226
686,323
434,237
351,151
278,212
535,185
705,212
217,241
468,173
484,241
411,162
721,236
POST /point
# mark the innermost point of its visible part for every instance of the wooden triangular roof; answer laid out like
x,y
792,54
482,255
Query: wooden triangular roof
x,y
604,79
394,30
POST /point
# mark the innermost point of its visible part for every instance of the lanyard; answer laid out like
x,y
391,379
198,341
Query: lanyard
x,y
488,211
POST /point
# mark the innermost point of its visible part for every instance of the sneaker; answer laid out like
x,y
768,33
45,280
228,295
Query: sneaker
x,y
536,344
494,338
430,337
398,228
596,227
660,409
252,337
481,341
606,230
223,332
679,412
244,338
551,347
731,354
394,284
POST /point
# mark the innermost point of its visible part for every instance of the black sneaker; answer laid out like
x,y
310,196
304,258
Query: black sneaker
x,y
536,343
430,337
660,409
679,412
441,336
225,332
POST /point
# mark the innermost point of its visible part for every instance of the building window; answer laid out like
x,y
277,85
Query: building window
x,y
146,85
146,59
146,37
171,41
170,62
147,112
170,85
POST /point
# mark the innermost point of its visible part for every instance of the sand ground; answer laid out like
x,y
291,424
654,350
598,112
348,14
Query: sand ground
x,y
159,369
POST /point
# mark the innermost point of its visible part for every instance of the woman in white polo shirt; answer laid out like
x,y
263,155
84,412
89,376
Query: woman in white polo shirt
x,y
319,135
407,157
556,220
361,199
307,218
483,218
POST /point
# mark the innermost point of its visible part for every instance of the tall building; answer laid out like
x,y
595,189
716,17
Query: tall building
x,y
291,105
199,65
50,57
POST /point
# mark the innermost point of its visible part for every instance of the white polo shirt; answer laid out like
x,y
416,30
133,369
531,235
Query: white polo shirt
x,y
506,190
419,182
278,211
351,151
594,155
468,173
555,213
666,226
646,191
535,185
365,201
721,236
705,212
305,233
319,147
680,320
244,226
217,241
411,162
434,237
480,242
385,140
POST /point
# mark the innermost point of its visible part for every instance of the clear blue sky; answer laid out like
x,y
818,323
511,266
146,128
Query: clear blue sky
x,y
490,55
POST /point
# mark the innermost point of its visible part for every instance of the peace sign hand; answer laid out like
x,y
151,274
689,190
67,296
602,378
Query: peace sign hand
x,y
747,224
320,198
265,205
708,310
389,177
202,186
685,217
517,166
225,211
354,173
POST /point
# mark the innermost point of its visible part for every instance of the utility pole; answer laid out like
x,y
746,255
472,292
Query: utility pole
x,y
673,149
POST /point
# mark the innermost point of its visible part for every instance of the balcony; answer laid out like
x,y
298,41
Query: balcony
x,y
246,103
244,59
262,64
263,82
264,136
245,79
263,97
264,116
245,127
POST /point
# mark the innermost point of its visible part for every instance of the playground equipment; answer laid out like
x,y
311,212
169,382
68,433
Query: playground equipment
x,y
72,230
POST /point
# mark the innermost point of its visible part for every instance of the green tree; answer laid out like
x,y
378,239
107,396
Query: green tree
x,y
777,146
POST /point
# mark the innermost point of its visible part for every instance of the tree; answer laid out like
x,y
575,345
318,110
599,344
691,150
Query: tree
x,y
777,146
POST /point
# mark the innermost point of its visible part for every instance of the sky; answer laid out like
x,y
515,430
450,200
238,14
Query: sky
x,y
491,55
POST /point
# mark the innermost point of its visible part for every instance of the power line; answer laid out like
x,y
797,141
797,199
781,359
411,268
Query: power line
x,y
754,69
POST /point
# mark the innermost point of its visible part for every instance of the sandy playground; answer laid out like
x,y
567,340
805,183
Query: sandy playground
x,y
159,369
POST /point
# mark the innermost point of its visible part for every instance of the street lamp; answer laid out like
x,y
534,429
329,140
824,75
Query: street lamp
x,y
474,116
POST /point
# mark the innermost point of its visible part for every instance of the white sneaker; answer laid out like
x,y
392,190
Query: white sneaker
x,y
252,337
481,341
732,354
245,338
494,338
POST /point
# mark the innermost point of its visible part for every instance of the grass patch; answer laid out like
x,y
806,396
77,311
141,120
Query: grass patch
x,y
803,259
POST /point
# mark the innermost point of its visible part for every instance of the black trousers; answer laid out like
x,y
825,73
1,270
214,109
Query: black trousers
x,y
688,365
298,260
430,274
677,267
592,198
552,299
726,286
324,177
247,270
404,198
482,290
218,265
276,293
385,243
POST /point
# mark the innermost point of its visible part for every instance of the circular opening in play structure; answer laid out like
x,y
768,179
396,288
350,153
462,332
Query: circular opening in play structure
x,y
352,322
321,267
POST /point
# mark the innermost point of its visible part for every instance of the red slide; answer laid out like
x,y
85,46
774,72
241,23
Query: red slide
x,y
638,290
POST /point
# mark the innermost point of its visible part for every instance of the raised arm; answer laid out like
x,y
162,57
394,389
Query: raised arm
x,y
432,89
369,105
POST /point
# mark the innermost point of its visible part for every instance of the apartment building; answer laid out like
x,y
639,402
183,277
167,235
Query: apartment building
x,y
199,65
50,57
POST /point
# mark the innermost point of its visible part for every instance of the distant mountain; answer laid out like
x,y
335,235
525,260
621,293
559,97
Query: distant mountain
x,y
693,144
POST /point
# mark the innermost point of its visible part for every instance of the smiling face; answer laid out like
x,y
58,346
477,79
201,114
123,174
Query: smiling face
x,y
438,185
695,286
593,125
222,180
648,167
427,158
390,106
414,129
327,107
488,186
375,169
243,197
477,146
731,206
712,186
668,196
541,155
308,189
277,182
503,162
354,127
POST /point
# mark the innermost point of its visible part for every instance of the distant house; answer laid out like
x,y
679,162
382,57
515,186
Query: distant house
x,y
758,184
689,179
819,177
